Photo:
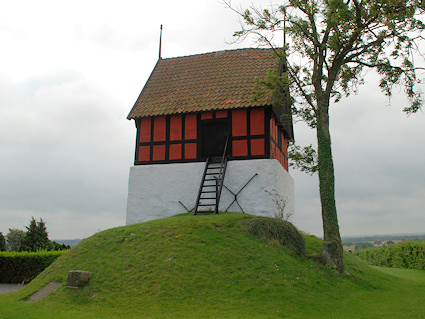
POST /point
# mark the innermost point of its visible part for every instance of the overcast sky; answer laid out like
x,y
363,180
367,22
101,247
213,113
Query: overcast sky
x,y
71,71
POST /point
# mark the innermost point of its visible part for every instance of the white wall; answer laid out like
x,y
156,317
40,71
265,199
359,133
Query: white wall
x,y
154,191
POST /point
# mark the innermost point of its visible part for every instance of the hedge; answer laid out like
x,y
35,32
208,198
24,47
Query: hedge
x,y
410,254
22,267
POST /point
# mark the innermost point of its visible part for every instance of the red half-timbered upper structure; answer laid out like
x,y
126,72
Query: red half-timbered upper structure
x,y
191,105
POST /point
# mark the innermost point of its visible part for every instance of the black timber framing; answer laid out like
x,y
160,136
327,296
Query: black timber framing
x,y
268,114
167,143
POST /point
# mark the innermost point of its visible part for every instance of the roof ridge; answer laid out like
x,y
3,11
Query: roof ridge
x,y
214,52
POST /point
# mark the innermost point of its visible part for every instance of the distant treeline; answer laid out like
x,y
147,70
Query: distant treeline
x,y
35,238
68,242
347,240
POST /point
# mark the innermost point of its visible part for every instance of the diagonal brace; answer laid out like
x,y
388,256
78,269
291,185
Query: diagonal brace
x,y
235,199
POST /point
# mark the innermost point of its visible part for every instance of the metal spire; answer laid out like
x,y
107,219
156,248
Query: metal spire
x,y
160,41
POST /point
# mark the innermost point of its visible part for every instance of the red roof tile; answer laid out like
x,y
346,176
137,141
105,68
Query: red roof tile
x,y
204,82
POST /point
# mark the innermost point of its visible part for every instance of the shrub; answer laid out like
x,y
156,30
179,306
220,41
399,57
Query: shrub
x,y
362,245
2,242
275,229
19,267
410,254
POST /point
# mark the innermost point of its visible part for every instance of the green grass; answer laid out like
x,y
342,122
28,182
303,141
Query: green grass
x,y
207,267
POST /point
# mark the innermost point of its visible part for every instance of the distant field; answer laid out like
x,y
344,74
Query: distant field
x,y
395,237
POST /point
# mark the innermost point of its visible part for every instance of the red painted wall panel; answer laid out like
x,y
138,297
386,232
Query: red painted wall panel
x,y
175,127
274,130
159,133
206,115
239,123
190,151
145,129
272,150
175,152
240,148
144,153
257,147
220,114
275,152
158,153
190,130
257,121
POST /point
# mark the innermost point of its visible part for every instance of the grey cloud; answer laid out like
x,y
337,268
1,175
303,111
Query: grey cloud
x,y
64,151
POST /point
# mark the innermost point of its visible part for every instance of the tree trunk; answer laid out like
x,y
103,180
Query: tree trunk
x,y
332,253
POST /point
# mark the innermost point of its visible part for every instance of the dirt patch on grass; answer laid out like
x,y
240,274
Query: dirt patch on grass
x,y
45,291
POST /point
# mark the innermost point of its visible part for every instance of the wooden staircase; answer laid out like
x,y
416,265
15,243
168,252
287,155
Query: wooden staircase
x,y
211,185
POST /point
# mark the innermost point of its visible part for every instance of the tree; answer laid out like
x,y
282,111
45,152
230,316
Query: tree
x,y
335,42
36,237
13,238
2,242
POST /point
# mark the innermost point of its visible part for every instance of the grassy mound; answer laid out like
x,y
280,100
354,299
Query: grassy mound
x,y
208,267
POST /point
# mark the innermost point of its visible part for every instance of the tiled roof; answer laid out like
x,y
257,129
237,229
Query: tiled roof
x,y
204,82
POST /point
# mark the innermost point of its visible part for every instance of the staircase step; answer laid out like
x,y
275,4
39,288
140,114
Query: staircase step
x,y
213,177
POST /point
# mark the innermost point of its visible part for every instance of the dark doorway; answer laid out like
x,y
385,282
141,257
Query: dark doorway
x,y
213,137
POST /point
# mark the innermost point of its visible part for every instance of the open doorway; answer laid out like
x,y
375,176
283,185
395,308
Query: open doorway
x,y
213,137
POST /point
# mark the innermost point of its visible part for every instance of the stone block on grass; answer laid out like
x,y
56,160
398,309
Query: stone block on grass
x,y
77,278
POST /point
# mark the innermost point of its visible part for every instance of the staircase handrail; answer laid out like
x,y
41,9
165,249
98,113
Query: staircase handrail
x,y
220,179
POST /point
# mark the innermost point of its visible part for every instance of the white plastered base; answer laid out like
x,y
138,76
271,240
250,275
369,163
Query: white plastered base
x,y
163,190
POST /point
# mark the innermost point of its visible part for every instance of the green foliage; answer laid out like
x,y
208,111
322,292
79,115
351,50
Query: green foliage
x,y
13,238
304,159
274,83
3,246
36,237
57,246
276,230
20,267
410,254
283,213
363,245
